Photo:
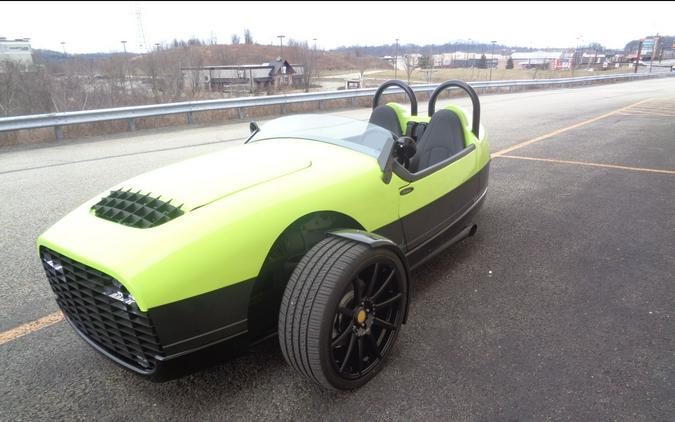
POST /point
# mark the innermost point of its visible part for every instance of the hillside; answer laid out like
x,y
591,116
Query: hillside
x,y
222,54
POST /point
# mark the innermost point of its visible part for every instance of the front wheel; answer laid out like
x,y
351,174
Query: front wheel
x,y
341,312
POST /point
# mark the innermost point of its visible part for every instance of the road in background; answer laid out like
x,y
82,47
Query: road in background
x,y
560,307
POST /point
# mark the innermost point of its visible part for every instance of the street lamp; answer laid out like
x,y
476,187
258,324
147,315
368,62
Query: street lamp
x,y
492,57
281,45
316,68
578,58
126,60
396,59
63,44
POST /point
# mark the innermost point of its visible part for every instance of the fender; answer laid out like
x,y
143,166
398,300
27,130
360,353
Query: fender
x,y
290,246
377,241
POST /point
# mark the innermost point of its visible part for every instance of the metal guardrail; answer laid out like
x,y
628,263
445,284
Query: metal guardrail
x,y
57,120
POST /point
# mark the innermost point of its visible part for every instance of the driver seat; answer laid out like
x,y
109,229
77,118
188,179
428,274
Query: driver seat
x,y
386,117
443,138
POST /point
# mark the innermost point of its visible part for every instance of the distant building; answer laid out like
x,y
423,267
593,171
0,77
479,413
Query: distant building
x,y
401,60
277,73
466,59
17,50
554,60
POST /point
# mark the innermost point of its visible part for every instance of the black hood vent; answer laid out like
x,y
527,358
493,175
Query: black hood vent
x,y
135,209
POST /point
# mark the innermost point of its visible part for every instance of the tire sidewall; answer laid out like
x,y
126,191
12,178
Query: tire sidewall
x,y
369,257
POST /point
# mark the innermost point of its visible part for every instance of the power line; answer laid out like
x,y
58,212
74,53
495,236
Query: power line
x,y
139,27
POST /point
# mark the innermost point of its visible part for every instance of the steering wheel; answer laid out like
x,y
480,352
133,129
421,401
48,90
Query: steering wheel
x,y
404,86
405,149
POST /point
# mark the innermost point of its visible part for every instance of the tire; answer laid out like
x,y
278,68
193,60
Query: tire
x,y
341,312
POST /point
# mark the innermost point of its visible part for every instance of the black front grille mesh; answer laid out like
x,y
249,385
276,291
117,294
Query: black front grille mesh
x,y
115,324
135,209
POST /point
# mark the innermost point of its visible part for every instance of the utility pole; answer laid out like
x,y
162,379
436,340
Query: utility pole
x,y
579,57
281,45
654,50
314,66
126,61
396,59
637,59
431,62
492,57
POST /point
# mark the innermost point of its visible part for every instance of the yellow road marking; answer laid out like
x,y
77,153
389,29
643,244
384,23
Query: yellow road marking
x,y
662,109
640,112
30,327
585,163
559,131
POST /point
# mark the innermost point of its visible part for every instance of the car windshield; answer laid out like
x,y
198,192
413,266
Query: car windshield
x,y
350,133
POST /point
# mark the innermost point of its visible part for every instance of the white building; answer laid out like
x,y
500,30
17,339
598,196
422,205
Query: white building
x,y
17,50
466,59
551,59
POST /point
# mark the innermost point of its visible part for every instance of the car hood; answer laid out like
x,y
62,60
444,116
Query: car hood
x,y
199,181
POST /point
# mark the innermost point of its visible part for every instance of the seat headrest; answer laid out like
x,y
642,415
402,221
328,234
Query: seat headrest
x,y
386,117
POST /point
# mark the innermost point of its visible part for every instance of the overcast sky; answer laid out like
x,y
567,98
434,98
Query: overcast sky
x,y
100,26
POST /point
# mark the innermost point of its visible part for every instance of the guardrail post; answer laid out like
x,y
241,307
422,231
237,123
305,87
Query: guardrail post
x,y
57,133
131,125
320,105
189,118
284,108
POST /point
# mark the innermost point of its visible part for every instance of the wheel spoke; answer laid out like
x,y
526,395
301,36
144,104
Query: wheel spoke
x,y
359,288
373,345
384,324
343,336
350,349
373,279
388,302
384,285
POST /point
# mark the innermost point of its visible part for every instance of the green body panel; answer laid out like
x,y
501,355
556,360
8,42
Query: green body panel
x,y
237,202
448,178
227,240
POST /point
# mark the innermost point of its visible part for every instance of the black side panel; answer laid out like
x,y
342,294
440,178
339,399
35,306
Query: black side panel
x,y
394,232
201,320
442,212
458,230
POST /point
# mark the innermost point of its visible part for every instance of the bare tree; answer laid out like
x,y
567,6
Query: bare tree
x,y
409,65
248,38
235,39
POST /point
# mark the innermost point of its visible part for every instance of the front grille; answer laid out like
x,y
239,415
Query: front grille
x,y
102,309
135,209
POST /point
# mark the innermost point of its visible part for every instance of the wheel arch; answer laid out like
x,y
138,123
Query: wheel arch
x,y
280,261
374,240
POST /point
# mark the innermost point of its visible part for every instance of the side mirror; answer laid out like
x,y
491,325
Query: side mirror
x,y
253,126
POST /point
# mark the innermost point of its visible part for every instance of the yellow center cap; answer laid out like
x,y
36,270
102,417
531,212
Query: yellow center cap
x,y
361,316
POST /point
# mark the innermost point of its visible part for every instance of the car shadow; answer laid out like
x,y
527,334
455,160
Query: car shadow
x,y
262,368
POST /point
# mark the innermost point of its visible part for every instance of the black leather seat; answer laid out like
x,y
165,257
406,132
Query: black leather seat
x,y
443,138
385,116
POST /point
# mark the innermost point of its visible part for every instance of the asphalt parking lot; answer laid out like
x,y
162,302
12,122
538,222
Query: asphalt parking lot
x,y
561,307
